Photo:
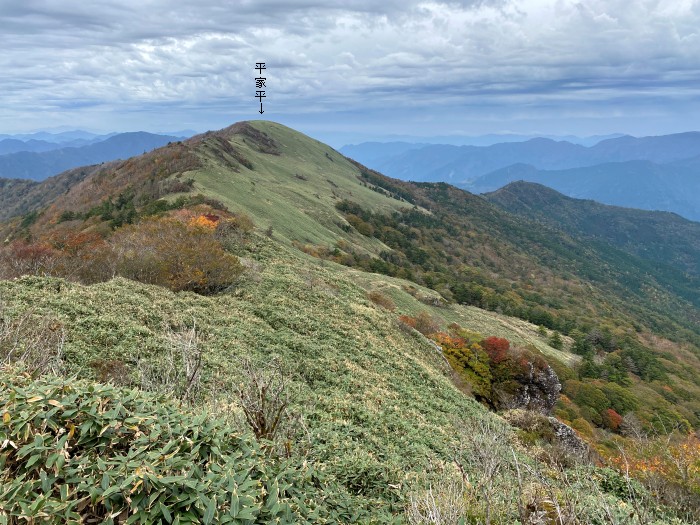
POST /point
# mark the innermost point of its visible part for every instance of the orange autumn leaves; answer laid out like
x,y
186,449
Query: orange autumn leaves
x,y
183,251
208,221
677,459
178,255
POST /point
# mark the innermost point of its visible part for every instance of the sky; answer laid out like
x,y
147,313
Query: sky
x,y
353,70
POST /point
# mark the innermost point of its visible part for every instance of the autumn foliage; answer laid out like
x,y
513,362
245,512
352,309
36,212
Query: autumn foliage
x,y
184,251
669,465
611,419
20,258
497,348
207,220
423,322
180,256
74,255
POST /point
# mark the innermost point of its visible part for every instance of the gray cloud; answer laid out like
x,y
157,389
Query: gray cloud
x,y
110,64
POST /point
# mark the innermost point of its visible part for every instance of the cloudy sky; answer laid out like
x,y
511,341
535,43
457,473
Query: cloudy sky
x,y
353,69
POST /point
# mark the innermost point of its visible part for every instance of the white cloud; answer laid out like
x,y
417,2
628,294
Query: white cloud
x,y
71,60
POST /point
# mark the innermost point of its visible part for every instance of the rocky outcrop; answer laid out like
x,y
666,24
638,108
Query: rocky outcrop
x,y
535,388
541,389
550,431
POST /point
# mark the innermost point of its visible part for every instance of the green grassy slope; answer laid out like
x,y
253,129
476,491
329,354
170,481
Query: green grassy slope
x,y
378,401
291,183
411,299
294,191
382,416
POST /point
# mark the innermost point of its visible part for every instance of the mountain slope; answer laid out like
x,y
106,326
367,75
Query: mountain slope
x,y
632,184
39,166
377,399
661,237
293,184
382,419
280,178
22,196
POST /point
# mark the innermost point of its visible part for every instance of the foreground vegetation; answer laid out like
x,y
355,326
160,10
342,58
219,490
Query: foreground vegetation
x,y
76,452
383,422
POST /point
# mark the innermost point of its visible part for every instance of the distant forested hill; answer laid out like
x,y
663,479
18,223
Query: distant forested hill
x,y
41,165
632,184
661,237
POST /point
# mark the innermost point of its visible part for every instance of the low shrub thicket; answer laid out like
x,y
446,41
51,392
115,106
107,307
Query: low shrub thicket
x,y
185,252
73,451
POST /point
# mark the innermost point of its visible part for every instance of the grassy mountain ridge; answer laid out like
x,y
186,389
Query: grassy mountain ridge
x,y
383,409
293,185
243,169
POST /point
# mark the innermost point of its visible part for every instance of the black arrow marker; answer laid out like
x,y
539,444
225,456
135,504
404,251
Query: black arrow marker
x,y
261,109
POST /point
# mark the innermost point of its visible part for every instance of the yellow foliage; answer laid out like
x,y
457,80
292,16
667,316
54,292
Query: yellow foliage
x,y
204,221
179,256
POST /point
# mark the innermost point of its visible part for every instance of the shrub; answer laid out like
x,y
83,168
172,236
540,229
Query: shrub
x,y
472,365
22,258
179,256
84,256
496,347
76,452
583,427
611,419
586,395
234,232
555,341
264,397
382,300
204,221
111,371
361,226
440,505
423,322
33,341
178,372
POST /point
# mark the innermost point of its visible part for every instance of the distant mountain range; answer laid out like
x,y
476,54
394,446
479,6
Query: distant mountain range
x,y
633,184
61,137
653,173
374,154
660,237
39,159
11,145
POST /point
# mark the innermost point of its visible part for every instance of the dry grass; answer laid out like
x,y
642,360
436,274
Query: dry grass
x,y
32,340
